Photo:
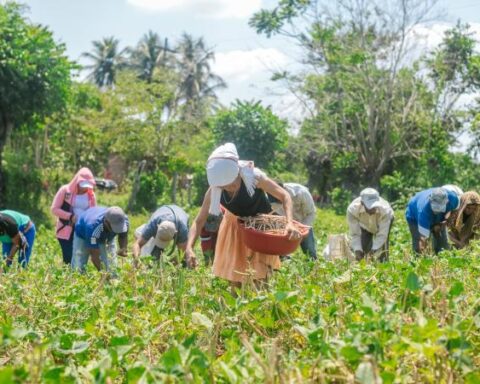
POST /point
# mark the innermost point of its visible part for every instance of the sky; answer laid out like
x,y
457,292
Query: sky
x,y
244,59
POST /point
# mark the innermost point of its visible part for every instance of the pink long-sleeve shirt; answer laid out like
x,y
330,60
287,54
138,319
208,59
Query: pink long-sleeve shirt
x,y
67,193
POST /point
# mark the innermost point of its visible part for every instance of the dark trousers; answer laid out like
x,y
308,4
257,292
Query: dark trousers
x,y
439,239
367,242
309,246
67,249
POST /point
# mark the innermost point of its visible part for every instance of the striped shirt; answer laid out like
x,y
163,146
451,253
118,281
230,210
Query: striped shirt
x,y
90,227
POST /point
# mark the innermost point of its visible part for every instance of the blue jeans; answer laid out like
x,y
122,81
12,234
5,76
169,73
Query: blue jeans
x,y
81,254
309,246
23,255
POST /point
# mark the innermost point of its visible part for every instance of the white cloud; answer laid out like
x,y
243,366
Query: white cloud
x,y
241,66
248,74
203,8
428,37
291,108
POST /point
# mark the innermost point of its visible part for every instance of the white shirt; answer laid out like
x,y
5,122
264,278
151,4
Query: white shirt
x,y
302,201
80,204
378,224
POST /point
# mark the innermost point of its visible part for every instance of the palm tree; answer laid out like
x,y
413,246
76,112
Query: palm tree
x,y
150,53
107,60
197,83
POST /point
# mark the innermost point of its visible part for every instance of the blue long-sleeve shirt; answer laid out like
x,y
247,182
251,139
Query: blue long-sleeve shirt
x,y
420,212
90,227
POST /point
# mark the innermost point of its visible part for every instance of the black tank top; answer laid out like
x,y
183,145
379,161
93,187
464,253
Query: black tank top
x,y
242,204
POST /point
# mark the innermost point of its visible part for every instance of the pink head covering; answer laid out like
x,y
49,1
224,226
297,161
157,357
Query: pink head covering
x,y
84,174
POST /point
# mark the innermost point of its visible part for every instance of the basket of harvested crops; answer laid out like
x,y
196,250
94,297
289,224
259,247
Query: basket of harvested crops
x,y
266,234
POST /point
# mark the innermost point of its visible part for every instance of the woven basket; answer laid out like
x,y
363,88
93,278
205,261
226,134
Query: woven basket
x,y
338,248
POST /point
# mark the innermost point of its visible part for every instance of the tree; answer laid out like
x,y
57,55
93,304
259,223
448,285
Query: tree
x,y
107,60
34,74
454,70
370,108
74,136
255,130
150,54
197,83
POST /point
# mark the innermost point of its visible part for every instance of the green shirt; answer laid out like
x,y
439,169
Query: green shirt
x,y
19,218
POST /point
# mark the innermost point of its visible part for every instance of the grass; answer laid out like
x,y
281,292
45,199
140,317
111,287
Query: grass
x,y
407,321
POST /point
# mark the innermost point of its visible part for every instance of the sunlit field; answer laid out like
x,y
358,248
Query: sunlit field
x,y
406,321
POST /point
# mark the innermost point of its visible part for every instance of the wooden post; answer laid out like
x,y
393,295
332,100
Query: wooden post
x,y
136,184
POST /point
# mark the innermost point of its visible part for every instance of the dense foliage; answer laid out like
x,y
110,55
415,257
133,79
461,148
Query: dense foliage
x,y
258,134
410,320
375,120
34,76
376,105
375,117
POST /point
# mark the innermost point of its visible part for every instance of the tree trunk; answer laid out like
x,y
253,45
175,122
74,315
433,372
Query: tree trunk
x,y
136,185
174,187
189,194
6,127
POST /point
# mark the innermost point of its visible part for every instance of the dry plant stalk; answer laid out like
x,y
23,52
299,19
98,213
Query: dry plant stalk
x,y
272,224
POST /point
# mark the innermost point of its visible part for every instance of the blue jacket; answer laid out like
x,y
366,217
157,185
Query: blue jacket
x,y
90,227
420,212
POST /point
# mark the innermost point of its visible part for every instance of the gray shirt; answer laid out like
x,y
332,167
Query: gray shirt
x,y
164,213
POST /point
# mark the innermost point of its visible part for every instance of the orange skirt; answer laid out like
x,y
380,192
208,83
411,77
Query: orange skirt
x,y
233,260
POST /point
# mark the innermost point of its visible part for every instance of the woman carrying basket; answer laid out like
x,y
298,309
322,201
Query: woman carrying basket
x,y
240,188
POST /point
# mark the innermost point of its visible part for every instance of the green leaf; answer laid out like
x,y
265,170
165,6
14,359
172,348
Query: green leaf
x,y
387,377
456,289
282,295
7,375
119,340
75,348
171,359
351,354
472,377
413,284
135,374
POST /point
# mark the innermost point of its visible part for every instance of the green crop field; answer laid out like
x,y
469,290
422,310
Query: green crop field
x,y
407,321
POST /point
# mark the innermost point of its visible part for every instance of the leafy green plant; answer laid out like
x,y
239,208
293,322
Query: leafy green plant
x,y
152,187
410,320
256,131
340,199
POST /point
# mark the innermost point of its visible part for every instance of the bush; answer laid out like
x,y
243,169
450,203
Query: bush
x,y
152,187
255,130
200,184
396,190
24,186
340,199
